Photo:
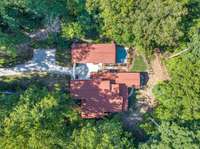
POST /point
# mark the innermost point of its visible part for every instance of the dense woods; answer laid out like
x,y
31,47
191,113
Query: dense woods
x,y
38,117
178,112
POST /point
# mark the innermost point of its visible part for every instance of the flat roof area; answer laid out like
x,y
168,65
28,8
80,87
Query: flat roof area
x,y
94,53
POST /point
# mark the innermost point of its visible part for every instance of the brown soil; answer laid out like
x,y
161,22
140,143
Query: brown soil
x,y
145,99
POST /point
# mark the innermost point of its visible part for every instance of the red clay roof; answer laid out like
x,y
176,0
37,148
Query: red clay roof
x,y
106,92
94,53
128,78
99,97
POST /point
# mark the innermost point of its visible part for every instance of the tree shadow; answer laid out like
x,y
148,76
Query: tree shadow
x,y
132,99
80,52
190,19
52,82
144,78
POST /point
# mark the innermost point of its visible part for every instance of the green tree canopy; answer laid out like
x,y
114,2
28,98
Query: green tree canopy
x,y
157,23
173,136
179,98
150,24
40,119
117,20
24,13
105,134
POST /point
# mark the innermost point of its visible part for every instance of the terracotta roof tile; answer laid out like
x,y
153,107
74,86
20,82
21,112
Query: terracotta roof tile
x,y
94,53
128,78
97,97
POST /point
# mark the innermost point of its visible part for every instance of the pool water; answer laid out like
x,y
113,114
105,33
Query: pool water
x,y
121,54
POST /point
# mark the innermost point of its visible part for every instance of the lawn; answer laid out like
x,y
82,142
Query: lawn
x,y
139,65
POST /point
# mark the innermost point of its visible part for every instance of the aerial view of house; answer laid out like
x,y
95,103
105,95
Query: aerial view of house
x,y
99,74
104,91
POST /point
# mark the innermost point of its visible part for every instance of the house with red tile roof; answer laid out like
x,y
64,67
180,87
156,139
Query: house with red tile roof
x,y
104,92
99,97
94,53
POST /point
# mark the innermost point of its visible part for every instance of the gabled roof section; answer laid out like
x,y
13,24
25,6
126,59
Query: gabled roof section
x,y
94,53
84,89
98,97
128,78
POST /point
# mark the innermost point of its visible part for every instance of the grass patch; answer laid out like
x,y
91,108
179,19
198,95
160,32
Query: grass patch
x,y
139,65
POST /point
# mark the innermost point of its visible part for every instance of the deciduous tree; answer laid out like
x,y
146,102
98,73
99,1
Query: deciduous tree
x,y
39,120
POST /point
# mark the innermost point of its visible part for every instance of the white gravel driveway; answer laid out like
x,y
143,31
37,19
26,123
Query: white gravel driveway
x,y
43,61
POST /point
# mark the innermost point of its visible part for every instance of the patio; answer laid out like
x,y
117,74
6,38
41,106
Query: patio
x,y
82,71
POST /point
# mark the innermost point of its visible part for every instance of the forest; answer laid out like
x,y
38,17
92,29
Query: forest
x,y
40,114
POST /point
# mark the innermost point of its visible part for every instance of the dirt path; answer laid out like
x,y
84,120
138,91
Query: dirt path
x,y
145,99
157,73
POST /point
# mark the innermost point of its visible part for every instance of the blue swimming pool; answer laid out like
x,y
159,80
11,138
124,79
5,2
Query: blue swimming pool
x,y
121,54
